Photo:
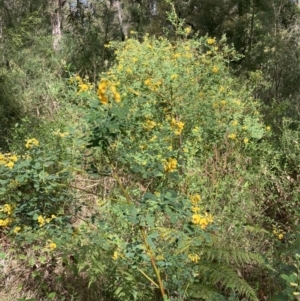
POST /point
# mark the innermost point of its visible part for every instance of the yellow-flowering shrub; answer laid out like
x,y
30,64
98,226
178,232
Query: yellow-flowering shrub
x,y
176,105
177,96
33,186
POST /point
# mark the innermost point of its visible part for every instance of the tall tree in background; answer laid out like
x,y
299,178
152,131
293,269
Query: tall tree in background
x,y
56,20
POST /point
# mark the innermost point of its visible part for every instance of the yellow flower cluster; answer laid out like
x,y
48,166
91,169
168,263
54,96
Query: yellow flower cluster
x,y
232,136
197,218
177,126
115,93
76,79
115,256
30,143
188,29
5,222
8,210
170,165
149,124
14,184
42,220
102,90
103,85
215,69
51,245
61,134
211,41
8,160
118,254
83,85
202,220
195,199
17,230
194,257
279,233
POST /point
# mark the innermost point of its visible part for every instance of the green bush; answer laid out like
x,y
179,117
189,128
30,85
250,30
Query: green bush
x,y
159,116
34,191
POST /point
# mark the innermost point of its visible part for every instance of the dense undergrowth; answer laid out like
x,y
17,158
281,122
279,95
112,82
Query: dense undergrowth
x,y
159,182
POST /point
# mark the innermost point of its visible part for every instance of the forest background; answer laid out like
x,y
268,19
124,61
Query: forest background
x,y
150,150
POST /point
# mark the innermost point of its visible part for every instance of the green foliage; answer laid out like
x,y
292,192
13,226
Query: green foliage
x,y
265,32
281,175
34,185
87,31
287,267
32,85
10,109
157,122
187,189
217,112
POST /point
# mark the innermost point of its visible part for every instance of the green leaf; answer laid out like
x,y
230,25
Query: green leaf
x,y
35,274
168,195
150,220
151,243
37,165
132,217
52,295
154,234
42,259
149,196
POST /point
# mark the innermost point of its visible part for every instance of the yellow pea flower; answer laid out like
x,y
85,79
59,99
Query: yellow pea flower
x,y
51,245
215,69
17,230
210,41
232,136
170,165
41,220
30,143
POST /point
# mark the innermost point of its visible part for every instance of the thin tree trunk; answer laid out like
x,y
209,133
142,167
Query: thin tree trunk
x,y
120,15
252,26
56,24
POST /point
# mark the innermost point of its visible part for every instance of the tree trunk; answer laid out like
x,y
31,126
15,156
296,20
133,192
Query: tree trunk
x,y
56,23
120,15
